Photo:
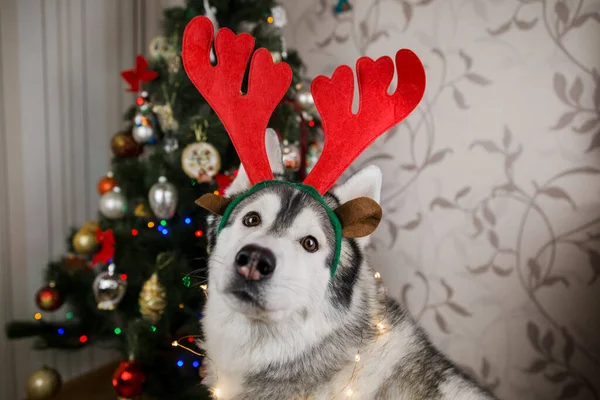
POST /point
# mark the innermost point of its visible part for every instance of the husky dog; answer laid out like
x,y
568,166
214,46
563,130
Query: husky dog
x,y
279,326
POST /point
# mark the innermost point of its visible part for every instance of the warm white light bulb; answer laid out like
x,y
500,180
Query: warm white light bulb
x,y
377,275
203,287
217,392
349,392
380,326
357,358
175,344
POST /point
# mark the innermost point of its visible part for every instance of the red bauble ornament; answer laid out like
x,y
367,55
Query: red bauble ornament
x,y
48,298
106,184
129,379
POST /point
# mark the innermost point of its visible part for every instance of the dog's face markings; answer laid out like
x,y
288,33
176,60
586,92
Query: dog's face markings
x,y
273,256
293,228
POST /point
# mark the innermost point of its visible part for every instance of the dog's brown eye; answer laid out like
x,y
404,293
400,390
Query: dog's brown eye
x,y
310,244
252,219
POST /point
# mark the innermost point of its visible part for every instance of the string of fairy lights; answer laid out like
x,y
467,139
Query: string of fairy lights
x,y
348,389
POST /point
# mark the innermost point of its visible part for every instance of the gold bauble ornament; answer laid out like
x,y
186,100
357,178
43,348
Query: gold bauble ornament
x,y
90,226
43,384
153,299
84,241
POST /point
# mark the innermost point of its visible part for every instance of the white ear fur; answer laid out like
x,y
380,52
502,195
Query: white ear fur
x,y
365,183
273,147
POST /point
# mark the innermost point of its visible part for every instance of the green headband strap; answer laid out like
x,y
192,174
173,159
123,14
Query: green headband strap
x,y
337,226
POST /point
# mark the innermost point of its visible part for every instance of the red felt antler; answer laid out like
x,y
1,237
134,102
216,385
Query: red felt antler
x,y
348,134
245,117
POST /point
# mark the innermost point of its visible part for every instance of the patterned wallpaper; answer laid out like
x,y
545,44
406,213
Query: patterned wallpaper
x,y
491,233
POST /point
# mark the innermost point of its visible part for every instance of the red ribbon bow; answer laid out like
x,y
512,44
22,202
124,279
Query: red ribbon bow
x,y
140,73
107,247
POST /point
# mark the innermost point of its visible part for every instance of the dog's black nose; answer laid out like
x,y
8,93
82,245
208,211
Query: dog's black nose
x,y
255,262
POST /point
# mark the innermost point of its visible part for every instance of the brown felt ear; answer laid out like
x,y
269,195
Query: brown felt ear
x,y
359,217
213,203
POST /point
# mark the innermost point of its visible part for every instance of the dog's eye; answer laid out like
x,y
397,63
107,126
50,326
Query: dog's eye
x,y
310,244
251,219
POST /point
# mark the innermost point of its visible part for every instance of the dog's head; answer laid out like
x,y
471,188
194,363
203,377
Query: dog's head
x,y
276,251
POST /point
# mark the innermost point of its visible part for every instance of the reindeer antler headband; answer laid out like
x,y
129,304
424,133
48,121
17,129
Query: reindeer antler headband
x,y
245,116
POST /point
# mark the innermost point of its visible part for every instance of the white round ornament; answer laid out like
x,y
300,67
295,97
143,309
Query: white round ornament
x,y
113,204
200,159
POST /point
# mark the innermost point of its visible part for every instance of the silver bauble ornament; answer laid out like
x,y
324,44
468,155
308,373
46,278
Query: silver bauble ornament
x,y
163,198
109,288
142,131
113,204
291,156
304,97
170,143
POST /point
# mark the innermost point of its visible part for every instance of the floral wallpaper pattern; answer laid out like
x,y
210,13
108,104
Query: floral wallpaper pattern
x,y
491,231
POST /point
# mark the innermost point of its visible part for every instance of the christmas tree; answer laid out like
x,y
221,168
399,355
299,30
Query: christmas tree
x,y
134,278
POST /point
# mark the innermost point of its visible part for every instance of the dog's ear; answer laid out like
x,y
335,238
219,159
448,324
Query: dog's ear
x,y
359,196
359,217
213,203
241,183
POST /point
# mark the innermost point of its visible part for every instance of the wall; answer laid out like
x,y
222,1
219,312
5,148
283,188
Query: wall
x,y
61,100
491,188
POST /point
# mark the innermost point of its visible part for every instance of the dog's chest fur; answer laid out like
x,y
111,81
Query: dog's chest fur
x,y
313,356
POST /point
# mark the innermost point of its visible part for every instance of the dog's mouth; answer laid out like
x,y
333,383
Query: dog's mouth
x,y
247,296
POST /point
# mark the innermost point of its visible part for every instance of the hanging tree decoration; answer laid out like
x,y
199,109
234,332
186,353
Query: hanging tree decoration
x,y
128,379
163,198
106,183
48,298
107,247
84,241
138,75
200,160
153,296
144,129
145,122
113,204
169,125
109,288
161,48
123,144
43,384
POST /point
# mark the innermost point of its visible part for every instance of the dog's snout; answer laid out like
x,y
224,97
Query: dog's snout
x,y
255,262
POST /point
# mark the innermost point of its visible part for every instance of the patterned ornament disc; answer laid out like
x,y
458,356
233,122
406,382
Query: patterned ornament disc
x,y
200,159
